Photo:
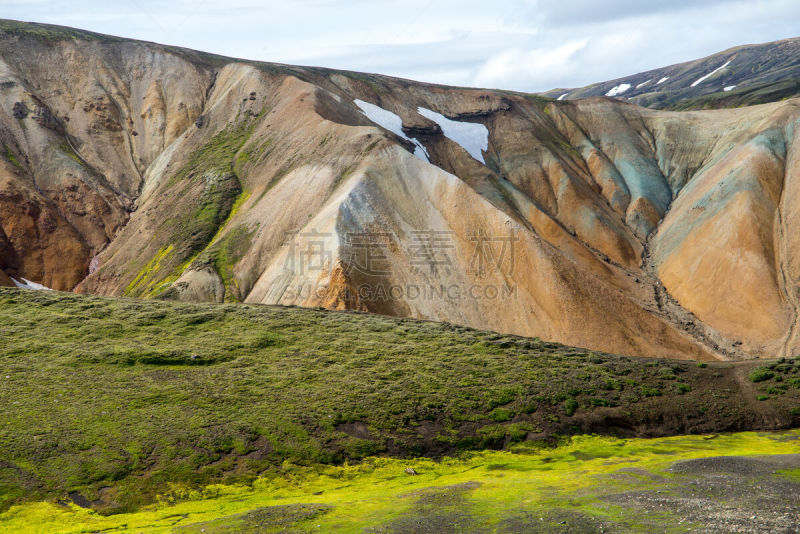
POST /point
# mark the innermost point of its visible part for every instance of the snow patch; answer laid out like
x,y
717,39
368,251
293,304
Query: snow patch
x,y
619,89
472,136
713,72
644,83
662,80
392,122
27,284
562,97
730,88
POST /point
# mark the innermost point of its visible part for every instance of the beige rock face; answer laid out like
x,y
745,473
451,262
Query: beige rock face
x,y
144,171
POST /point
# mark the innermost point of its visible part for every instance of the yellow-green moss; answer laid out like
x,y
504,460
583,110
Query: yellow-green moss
x,y
574,476
10,157
145,277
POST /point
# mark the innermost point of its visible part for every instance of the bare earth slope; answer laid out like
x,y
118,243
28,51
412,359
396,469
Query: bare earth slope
x,y
138,169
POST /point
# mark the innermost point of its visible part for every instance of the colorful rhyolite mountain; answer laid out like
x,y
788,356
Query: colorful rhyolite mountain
x,y
129,168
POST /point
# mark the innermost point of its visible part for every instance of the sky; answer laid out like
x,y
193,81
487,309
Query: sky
x,y
524,45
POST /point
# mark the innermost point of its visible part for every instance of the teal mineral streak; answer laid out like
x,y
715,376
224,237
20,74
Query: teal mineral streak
x,y
644,180
739,181
773,140
622,196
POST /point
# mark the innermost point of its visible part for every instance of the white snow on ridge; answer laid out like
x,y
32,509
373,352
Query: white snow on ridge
x,y
392,122
662,80
27,284
472,136
643,83
562,97
730,88
619,89
700,80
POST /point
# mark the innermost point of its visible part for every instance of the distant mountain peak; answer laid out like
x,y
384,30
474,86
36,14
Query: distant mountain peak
x,y
738,76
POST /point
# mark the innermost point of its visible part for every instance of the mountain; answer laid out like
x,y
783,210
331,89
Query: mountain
x,y
131,168
740,76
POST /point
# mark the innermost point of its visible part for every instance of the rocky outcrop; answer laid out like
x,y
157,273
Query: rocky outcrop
x,y
593,222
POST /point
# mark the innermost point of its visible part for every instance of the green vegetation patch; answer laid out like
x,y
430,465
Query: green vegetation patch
x,y
144,278
761,374
749,94
776,379
119,400
223,253
11,157
203,194
67,150
590,484
51,33
542,102
218,155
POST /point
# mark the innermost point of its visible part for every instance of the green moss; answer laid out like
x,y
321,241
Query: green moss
x,y
147,276
501,415
368,79
490,488
570,405
51,33
210,194
252,153
142,395
10,157
761,374
217,156
223,254
66,149
754,92
197,228
541,102
647,391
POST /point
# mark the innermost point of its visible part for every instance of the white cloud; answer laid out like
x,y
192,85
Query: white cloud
x,y
517,67
529,45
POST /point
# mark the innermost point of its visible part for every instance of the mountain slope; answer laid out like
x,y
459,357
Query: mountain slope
x,y
118,400
740,76
137,169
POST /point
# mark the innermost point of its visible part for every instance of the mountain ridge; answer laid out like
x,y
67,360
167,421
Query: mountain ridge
x,y
133,170
736,77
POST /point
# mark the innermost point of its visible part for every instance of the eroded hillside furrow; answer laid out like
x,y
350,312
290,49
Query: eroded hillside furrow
x,y
786,261
788,288
684,320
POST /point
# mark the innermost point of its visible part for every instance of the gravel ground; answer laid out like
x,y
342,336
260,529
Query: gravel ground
x,y
730,494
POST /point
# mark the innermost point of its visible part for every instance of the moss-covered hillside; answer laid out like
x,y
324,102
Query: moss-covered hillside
x,y
109,401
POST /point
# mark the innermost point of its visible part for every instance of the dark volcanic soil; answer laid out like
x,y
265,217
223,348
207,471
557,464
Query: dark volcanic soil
x,y
726,494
